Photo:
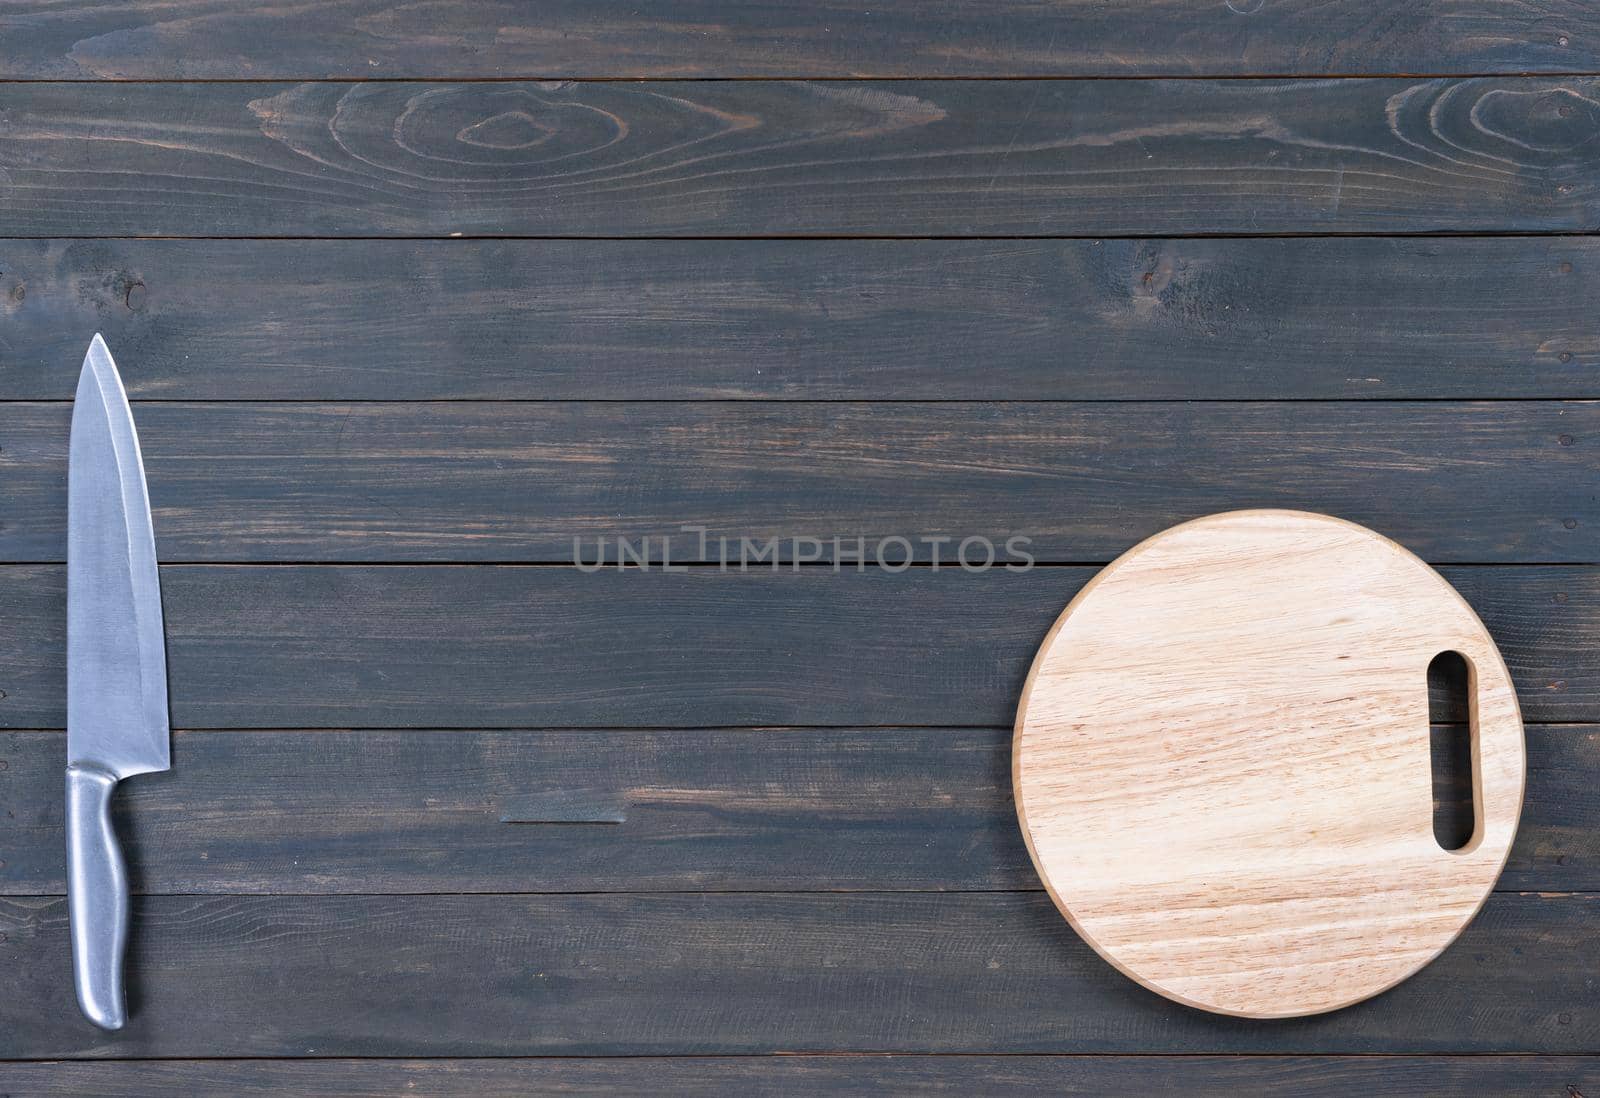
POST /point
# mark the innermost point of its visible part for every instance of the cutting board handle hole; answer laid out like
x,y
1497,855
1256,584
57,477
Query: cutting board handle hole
x,y
1455,811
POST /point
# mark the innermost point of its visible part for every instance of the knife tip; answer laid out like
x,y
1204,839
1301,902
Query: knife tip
x,y
98,360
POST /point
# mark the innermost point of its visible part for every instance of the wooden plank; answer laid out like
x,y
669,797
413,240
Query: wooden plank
x,y
524,482
465,647
778,1077
791,809
943,158
198,39
731,973
783,320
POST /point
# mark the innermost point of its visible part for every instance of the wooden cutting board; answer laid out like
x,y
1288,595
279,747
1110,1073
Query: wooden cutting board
x,y
1222,764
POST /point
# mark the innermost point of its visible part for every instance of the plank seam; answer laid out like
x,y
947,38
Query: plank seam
x,y
803,78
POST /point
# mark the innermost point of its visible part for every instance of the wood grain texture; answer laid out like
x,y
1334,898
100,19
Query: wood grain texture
x,y
784,320
449,656
780,1077
205,39
950,158
390,811
731,973
1454,482
463,647
1222,764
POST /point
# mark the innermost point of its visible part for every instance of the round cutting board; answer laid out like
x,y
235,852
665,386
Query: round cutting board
x,y
1222,766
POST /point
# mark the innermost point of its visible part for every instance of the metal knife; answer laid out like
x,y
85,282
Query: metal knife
x,y
116,672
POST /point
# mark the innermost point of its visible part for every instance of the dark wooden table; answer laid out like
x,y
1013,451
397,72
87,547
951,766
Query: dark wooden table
x,y
409,296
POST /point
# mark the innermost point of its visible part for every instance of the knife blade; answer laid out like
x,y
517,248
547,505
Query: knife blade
x,y
116,672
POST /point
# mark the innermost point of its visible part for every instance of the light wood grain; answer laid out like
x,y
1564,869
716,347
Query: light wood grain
x,y
1222,764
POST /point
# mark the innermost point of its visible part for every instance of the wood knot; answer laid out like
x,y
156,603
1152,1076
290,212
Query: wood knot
x,y
514,129
1550,121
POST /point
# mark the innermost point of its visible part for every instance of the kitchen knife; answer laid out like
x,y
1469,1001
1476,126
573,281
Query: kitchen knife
x,y
116,672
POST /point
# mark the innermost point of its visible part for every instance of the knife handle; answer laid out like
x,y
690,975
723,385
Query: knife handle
x,y
97,896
